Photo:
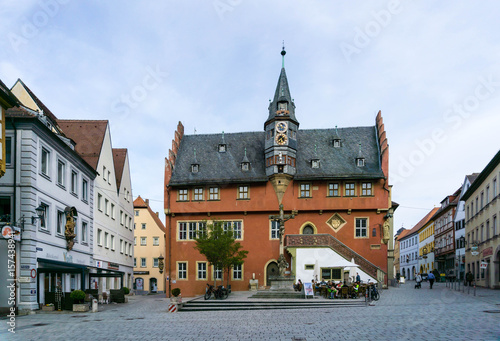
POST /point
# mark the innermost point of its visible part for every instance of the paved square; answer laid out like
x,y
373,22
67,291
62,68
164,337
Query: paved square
x,y
401,313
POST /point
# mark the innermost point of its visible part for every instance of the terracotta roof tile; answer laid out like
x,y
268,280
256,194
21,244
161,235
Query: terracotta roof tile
x,y
140,203
119,155
424,221
88,135
19,111
402,234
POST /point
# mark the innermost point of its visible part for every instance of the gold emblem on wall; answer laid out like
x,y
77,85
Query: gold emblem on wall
x,y
336,222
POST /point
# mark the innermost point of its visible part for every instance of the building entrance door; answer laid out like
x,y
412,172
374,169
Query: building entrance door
x,y
152,285
271,271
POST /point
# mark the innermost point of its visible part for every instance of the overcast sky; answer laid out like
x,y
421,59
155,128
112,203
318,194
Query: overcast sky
x,y
432,68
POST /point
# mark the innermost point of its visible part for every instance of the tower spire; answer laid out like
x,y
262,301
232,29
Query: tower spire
x,y
283,52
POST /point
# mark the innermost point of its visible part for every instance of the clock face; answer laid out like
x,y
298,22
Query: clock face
x,y
281,139
281,127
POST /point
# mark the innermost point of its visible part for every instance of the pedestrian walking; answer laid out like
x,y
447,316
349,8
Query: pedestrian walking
x,y
431,278
418,281
358,278
469,277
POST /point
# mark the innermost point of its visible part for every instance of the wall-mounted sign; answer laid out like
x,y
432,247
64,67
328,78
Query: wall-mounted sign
x,y
484,265
7,231
25,267
33,291
98,264
39,248
24,280
488,251
113,266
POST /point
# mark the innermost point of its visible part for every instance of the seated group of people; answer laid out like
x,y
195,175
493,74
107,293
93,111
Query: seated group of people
x,y
334,288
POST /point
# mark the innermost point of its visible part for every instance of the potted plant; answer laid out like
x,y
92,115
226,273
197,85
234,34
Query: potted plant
x,y
78,297
176,296
126,290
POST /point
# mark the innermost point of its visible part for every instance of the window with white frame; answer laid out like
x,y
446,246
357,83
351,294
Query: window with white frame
x,y
121,245
305,190
182,231
106,240
126,248
74,182
136,213
202,271
106,207
237,273
242,192
198,194
156,241
61,173
218,273
361,227
121,217
181,270
99,202
182,194
349,189
45,161
130,250
213,193
143,226
126,221
143,262
237,230
112,242
192,227
84,232
333,190
85,190
155,262
275,228
61,221
130,223
366,189
143,241
135,262
99,237
104,173
112,211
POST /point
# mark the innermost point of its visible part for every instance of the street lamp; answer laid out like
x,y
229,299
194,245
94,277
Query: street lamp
x,y
161,264
40,212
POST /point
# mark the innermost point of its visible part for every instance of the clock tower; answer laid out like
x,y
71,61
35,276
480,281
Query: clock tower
x,y
281,135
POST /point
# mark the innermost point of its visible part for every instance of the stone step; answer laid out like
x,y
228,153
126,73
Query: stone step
x,y
199,305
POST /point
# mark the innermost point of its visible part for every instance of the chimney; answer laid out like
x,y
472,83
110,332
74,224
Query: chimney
x,y
147,201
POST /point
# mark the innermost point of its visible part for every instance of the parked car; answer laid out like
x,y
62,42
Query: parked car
x,y
424,277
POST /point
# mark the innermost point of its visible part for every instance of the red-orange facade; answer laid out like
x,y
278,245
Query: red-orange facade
x,y
227,178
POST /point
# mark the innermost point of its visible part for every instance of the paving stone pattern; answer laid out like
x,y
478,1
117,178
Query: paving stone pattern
x,y
402,313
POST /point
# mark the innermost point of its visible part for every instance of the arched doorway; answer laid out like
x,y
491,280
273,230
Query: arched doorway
x,y
139,284
404,273
153,286
272,270
308,230
422,269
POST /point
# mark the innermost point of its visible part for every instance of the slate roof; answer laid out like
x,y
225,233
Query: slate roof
x,y
88,135
335,163
282,93
119,155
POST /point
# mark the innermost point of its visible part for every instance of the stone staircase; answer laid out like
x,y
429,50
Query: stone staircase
x,y
327,240
211,305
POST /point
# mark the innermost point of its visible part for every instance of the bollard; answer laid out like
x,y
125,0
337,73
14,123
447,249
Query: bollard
x,y
366,295
95,308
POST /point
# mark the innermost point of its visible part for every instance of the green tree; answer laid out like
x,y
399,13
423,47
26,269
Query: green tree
x,y
220,248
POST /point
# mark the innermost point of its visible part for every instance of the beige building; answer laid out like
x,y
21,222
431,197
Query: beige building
x,y
482,211
149,249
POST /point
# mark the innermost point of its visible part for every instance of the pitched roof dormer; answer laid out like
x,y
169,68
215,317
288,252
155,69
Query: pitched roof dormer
x,y
245,163
195,166
336,141
222,148
315,161
360,160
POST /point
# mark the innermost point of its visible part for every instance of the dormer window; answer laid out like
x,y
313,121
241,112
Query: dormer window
x,y
222,148
245,166
195,168
336,143
360,162
282,106
315,163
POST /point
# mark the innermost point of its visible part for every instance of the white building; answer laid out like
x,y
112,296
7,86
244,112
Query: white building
x,y
44,171
459,223
113,205
409,248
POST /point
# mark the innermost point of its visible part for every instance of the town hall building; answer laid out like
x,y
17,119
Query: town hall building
x,y
332,184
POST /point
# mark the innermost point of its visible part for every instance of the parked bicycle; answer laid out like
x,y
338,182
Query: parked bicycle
x,y
219,293
373,292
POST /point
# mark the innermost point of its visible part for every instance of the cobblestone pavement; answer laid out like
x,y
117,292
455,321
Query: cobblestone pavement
x,y
402,313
